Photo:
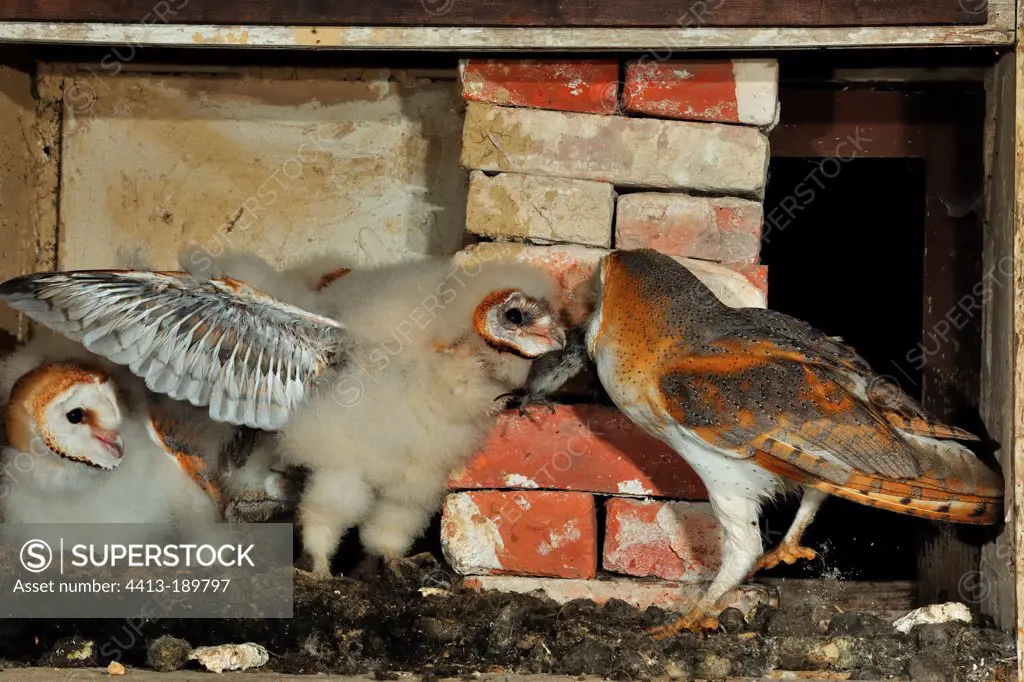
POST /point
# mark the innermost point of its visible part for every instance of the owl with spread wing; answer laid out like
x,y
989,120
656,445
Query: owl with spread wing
x,y
378,383
759,403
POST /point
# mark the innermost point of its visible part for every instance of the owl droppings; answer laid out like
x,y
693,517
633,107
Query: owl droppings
x,y
167,654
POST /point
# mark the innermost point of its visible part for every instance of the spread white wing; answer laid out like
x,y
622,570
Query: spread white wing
x,y
219,343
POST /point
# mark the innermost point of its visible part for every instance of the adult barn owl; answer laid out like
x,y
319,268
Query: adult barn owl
x,y
759,403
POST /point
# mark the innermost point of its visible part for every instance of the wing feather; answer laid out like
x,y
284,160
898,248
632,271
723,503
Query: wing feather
x,y
794,339
249,358
817,432
729,396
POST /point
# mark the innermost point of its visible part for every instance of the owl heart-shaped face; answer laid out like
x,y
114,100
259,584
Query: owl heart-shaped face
x,y
511,321
71,410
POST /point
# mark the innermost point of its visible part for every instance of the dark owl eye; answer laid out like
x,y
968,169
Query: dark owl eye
x,y
514,315
76,415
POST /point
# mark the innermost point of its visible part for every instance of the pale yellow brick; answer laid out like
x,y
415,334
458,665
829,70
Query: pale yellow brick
x,y
541,209
631,152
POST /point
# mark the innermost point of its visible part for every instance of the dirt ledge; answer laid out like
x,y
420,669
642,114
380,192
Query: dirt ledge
x,y
388,627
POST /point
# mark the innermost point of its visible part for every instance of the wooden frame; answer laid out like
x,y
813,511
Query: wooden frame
x,y
948,565
1002,320
1003,383
693,32
538,13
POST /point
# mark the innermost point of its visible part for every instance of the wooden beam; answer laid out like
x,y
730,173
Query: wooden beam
x,y
909,74
993,585
888,599
846,123
663,43
949,355
537,13
1016,454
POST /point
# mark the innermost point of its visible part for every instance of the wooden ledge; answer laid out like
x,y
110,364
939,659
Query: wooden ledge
x,y
662,41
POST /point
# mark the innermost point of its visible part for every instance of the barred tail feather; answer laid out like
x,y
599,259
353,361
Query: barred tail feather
x,y
954,485
922,427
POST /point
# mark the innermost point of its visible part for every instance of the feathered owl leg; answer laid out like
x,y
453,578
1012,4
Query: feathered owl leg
x,y
401,514
790,550
333,502
394,525
738,517
391,529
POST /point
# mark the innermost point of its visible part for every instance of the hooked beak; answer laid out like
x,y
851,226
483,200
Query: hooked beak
x,y
557,337
112,441
542,343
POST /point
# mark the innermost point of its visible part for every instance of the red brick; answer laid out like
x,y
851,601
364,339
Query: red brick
x,y
755,274
723,229
534,533
579,447
586,86
669,540
726,91
671,596
573,265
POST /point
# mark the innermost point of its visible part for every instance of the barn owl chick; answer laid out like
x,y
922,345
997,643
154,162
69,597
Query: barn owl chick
x,y
429,345
759,403
72,411
79,450
379,383
200,448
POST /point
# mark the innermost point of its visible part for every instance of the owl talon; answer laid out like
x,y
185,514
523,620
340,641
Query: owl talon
x,y
252,511
695,621
397,565
318,566
538,401
524,402
535,400
784,553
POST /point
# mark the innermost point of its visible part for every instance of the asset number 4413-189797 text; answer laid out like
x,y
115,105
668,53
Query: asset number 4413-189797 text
x,y
179,585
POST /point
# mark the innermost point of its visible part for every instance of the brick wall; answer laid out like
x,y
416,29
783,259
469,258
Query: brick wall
x,y
566,160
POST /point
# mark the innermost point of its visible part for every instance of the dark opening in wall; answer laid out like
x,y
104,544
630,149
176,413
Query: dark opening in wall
x,y
846,254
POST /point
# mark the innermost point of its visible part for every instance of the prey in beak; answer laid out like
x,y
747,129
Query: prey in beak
x,y
551,370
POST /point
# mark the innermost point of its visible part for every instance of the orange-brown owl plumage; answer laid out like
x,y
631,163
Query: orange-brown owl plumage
x,y
768,387
332,277
185,445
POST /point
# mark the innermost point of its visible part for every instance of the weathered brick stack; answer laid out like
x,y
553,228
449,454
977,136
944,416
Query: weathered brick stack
x,y
566,161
